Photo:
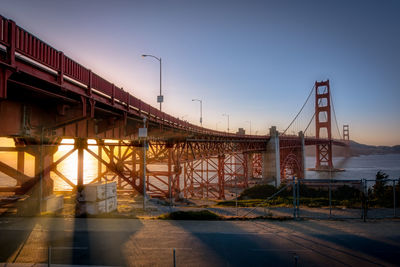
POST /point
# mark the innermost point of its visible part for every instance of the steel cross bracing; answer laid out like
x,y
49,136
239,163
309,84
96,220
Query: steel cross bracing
x,y
45,96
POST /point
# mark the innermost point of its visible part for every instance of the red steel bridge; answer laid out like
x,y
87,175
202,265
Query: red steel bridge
x,y
45,97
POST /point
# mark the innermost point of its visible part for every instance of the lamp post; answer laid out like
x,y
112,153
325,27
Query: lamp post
x,y
201,110
227,115
250,125
160,98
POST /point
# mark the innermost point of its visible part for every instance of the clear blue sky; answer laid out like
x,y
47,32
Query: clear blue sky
x,y
255,60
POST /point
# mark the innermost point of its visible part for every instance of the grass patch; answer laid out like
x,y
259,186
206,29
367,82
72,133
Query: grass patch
x,y
288,201
190,215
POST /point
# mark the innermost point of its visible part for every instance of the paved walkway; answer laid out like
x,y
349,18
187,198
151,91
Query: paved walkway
x,y
155,208
133,242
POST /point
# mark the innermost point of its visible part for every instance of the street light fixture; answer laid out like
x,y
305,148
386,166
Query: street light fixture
x,y
201,110
250,125
227,115
160,98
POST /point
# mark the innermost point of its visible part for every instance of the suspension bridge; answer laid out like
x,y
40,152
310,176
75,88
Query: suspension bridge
x,y
46,97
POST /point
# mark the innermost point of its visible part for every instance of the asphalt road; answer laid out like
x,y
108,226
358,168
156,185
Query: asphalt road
x,y
130,242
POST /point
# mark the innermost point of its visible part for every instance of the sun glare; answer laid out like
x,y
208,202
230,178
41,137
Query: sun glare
x,y
69,166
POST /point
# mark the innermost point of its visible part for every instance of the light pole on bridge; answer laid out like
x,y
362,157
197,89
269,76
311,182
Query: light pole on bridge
x,y
201,110
160,98
227,115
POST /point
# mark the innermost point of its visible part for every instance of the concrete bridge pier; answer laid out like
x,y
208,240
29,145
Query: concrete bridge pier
x,y
271,169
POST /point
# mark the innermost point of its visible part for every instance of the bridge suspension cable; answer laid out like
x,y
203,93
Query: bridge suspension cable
x,y
315,111
334,115
309,95
308,125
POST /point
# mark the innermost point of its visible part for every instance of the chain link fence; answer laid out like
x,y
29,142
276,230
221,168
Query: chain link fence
x,y
330,199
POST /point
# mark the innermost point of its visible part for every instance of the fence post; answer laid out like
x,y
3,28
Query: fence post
x,y
49,255
398,184
294,198
362,198
298,198
174,255
365,200
330,199
394,198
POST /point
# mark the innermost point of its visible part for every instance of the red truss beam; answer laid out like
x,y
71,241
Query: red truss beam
x,y
257,165
235,170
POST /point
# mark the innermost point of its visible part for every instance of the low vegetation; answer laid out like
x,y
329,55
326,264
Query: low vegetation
x,y
379,195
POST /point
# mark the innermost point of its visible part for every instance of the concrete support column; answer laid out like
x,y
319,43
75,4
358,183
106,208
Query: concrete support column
x,y
43,162
271,171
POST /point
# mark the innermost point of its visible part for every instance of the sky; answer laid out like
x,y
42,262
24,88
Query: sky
x,y
254,60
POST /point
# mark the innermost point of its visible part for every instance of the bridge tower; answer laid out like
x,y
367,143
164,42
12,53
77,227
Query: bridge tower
x,y
323,125
346,136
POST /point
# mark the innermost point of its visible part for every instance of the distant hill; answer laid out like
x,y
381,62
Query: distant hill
x,y
361,149
357,149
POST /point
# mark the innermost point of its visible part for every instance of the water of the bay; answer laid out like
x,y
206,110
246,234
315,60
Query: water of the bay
x,y
361,167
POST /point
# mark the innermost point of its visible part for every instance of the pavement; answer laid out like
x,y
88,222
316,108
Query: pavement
x,y
133,242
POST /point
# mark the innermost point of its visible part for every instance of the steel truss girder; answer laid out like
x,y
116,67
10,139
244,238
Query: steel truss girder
x,y
206,167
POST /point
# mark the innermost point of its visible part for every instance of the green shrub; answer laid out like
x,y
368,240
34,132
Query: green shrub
x,y
190,215
258,192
